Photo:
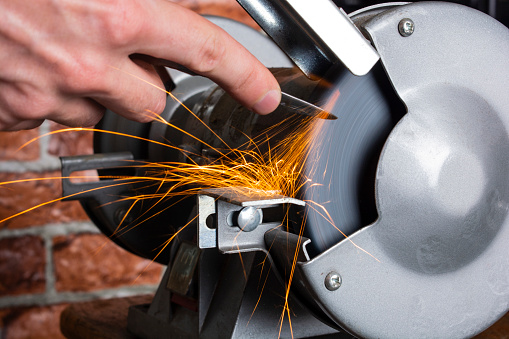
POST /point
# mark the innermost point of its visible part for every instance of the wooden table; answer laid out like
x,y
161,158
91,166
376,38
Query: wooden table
x,y
107,319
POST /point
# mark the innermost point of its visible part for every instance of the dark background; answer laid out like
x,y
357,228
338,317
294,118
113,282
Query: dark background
x,y
499,9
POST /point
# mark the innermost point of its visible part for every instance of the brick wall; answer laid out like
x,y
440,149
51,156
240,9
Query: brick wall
x,y
53,256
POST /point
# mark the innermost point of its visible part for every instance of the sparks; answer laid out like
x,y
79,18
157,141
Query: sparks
x,y
279,169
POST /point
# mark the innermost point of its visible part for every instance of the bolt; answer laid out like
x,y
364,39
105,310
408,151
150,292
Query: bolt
x,y
406,27
249,218
333,281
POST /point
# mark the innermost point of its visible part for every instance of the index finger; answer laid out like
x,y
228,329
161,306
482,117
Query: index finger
x,y
177,34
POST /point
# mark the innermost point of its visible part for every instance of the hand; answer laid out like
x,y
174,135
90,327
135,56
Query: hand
x,y
65,60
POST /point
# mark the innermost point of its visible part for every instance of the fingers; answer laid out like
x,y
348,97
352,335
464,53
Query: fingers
x,y
23,107
27,124
133,90
78,112
196,43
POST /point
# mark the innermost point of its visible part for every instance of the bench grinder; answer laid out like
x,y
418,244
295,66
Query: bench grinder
x,y
415,171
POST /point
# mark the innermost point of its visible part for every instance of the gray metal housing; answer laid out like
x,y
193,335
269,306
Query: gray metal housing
x,y
436,262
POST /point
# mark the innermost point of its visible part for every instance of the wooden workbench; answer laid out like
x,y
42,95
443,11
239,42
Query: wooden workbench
x,y
107,319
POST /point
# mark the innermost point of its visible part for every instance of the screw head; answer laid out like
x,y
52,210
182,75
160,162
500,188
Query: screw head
x,y
406,27
249,218
333,281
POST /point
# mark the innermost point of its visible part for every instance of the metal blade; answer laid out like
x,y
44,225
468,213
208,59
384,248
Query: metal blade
x,y
299,106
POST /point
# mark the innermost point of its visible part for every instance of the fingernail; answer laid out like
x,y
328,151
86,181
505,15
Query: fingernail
x,y
268,103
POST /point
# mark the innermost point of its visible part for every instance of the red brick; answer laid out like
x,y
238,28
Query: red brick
x,y
22,265
10,142
88,262
19,197
70,143
32,322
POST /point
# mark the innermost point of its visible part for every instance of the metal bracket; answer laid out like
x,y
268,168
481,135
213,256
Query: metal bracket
x,y
232,219
84,190
228,291
314,34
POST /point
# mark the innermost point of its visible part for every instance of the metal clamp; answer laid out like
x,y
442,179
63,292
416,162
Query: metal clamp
x,y
232,219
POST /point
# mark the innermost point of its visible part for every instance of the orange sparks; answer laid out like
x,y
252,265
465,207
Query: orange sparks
x,y
279,169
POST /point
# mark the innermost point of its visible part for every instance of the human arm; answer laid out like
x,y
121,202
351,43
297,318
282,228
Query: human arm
x,y
65,60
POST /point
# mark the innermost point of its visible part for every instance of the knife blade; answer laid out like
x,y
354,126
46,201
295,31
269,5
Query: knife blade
x,y
299,106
